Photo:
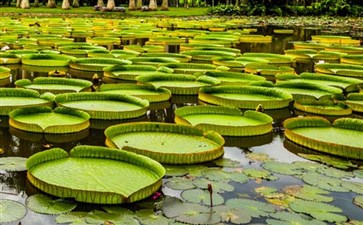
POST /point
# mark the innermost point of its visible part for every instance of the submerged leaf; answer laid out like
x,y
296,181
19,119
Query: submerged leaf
x,y
308,192
358,200
318,210
251,207
11,211
40,203
202,196
13,164
290,218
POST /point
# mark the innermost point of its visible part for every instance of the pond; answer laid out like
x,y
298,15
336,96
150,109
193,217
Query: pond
x,y
241,153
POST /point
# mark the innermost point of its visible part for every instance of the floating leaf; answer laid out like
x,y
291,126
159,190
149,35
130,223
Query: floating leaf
x,y
180,183
202,196
308,192
218,187
261,157
266,191
218,174
358,173
329,160
225,162
318,210
324,182
290,218
195,170
358,200
251,207
13,164
174,170
304,166
11,211
233,215
40,203
259,174
72,217
99,217
332,172
281,168
149,217
353,186
118,209
189,212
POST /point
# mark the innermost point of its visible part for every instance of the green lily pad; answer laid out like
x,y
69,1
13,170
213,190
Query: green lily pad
x,y
251,207
218,186
358,173
189,212
261,157
353,186
202,196
100,217
358,200
43,204
225,162
332,172
217,174
149,217
11,211
318,210
180,183
324,182
13,164
308,192
72,217
259,174
329,160
290,218
304,166
281,168
266,191
175,170
118,209
233,215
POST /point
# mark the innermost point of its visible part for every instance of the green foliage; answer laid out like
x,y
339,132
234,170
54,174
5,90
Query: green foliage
x,y
43,204
225,10
11,211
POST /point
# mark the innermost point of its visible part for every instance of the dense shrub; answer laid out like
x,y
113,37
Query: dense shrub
x,y
225,10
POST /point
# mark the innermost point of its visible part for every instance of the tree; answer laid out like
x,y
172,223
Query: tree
x,y
66,5
138,4
164,5
25,4
132,5
75,4
111,4
36,3
100,3
153,5
51,4
18,3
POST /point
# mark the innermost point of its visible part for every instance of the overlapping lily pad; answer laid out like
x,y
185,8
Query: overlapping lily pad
x,y
11,210
64,175
44,204
158,141
224,120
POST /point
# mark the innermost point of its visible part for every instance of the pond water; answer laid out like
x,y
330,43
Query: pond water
x,y
18,143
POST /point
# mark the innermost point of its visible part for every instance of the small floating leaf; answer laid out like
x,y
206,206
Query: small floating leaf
x,y
324,182
13,163
99,217
11,211
353,186
329,160
289,218
180,183
148,216
332,172
175,170
358,200
318,210
358,173
72,217
225,162
189,212
218,174
281,168
266,191
261,157
251,207
202,196
118,209
40,203
259,174
233,215
218,187
308,192
303,166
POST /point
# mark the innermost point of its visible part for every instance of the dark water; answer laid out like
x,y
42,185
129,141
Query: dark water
x,y
18,143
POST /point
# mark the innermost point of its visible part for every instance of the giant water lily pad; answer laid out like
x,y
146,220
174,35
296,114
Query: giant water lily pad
x,y
55,85
11,211
84,172
46,120
342,138
224,120
355,101
318,210
104,105
13,163
158,141
14,98
40,203
246,97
